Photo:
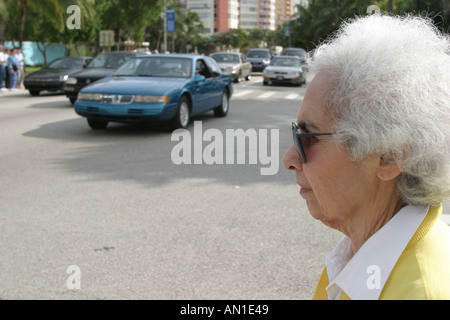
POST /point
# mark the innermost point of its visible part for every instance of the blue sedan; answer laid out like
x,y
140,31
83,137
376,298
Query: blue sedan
x,y
157,88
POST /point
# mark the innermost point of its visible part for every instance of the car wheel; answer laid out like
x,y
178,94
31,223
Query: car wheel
x,y
72,100
238,78
181,119
249,77
265,83
222,110
97,124
34,93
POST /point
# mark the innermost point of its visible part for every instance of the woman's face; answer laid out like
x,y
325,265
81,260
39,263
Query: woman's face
x,y
334,187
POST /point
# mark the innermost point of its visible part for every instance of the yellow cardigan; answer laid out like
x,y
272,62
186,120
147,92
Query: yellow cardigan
x,y
423,269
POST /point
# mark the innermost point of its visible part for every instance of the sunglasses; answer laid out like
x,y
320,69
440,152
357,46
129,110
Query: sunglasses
x,y
302,141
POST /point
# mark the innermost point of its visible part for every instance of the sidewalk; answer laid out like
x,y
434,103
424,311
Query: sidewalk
x,y
7,92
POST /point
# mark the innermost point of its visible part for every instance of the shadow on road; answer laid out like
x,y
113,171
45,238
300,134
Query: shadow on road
x,y
143,154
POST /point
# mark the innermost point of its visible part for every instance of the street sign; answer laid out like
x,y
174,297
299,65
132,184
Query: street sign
x,y
106,38
170,17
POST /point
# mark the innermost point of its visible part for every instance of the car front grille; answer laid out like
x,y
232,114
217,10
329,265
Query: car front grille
x,y
117,98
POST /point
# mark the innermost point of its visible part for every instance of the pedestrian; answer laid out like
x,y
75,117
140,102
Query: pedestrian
x,y
3,61
5,67
21,68
371,156
13,67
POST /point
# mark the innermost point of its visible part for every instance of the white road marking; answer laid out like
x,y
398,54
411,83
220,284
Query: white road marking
x,y
267,94
292,96
242,93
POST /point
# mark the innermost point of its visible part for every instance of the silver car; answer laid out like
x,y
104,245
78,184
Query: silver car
x,y
284,69
235,64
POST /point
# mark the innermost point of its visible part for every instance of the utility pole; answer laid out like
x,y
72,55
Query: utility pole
x,y
165,26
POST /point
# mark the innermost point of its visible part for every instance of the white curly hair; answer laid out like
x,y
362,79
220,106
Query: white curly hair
x,y
391,97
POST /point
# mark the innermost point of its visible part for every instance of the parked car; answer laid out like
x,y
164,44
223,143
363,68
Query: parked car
x,y
101,66
284,69
53,77
157,88
259,58
235,64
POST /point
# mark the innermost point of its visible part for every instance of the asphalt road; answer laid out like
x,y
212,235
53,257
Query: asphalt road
x,y
107,214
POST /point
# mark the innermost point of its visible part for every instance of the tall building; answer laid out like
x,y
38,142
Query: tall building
x,y
221,15
285,10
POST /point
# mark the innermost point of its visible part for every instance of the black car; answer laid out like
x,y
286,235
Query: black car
x,y
102,65
53,77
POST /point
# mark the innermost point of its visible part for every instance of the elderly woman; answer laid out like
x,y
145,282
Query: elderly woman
x,y
371,155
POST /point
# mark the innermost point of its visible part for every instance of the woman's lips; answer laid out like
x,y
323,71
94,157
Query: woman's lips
x,y
304,190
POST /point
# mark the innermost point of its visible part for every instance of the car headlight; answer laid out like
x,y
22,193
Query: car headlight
x,y
64,77
266,61
151,98
89,96
72,80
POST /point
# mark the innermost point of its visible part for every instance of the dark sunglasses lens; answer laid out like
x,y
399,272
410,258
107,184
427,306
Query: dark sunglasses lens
x,y
298,145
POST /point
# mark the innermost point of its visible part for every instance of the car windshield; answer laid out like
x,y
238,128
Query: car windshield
x,y
109,61
298,53
67,64
285,62
170,67
258,54
225,57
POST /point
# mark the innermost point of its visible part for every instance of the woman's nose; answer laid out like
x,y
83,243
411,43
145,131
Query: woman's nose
x,y
291,159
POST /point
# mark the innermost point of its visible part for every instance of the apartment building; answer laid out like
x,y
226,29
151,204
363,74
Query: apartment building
x,y
222,15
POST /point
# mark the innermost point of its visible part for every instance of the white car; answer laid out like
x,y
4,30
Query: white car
x,y
284,69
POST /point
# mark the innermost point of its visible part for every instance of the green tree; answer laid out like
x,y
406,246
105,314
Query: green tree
x,y
15,13
321,18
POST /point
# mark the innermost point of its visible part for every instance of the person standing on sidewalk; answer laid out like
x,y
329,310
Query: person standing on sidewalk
x,y
3,61
21,70
4,66
13,67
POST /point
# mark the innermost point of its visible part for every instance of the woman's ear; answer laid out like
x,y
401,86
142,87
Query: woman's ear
x,y
388,168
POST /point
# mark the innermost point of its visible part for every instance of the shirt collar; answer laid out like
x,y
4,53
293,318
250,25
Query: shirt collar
x,y
364,274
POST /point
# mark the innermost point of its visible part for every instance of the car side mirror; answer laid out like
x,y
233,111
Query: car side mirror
x,y
199,78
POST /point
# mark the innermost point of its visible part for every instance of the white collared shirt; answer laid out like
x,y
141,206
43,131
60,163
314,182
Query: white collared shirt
x,y
363,275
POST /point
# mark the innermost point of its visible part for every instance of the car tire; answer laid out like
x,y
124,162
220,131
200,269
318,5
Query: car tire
x,y
34,93
265,83
72,100
97,124
249,77
222,110
181,120
238,78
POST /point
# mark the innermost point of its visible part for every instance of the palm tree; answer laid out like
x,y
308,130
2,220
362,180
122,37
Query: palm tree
x,y
187,25
54,11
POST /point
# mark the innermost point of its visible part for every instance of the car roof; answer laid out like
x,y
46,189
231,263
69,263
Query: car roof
x,y
171,55
293,48
289,57
223,52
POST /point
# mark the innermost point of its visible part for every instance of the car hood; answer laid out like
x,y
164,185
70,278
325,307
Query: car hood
x,y
228,64
136,85
92,73
50,73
